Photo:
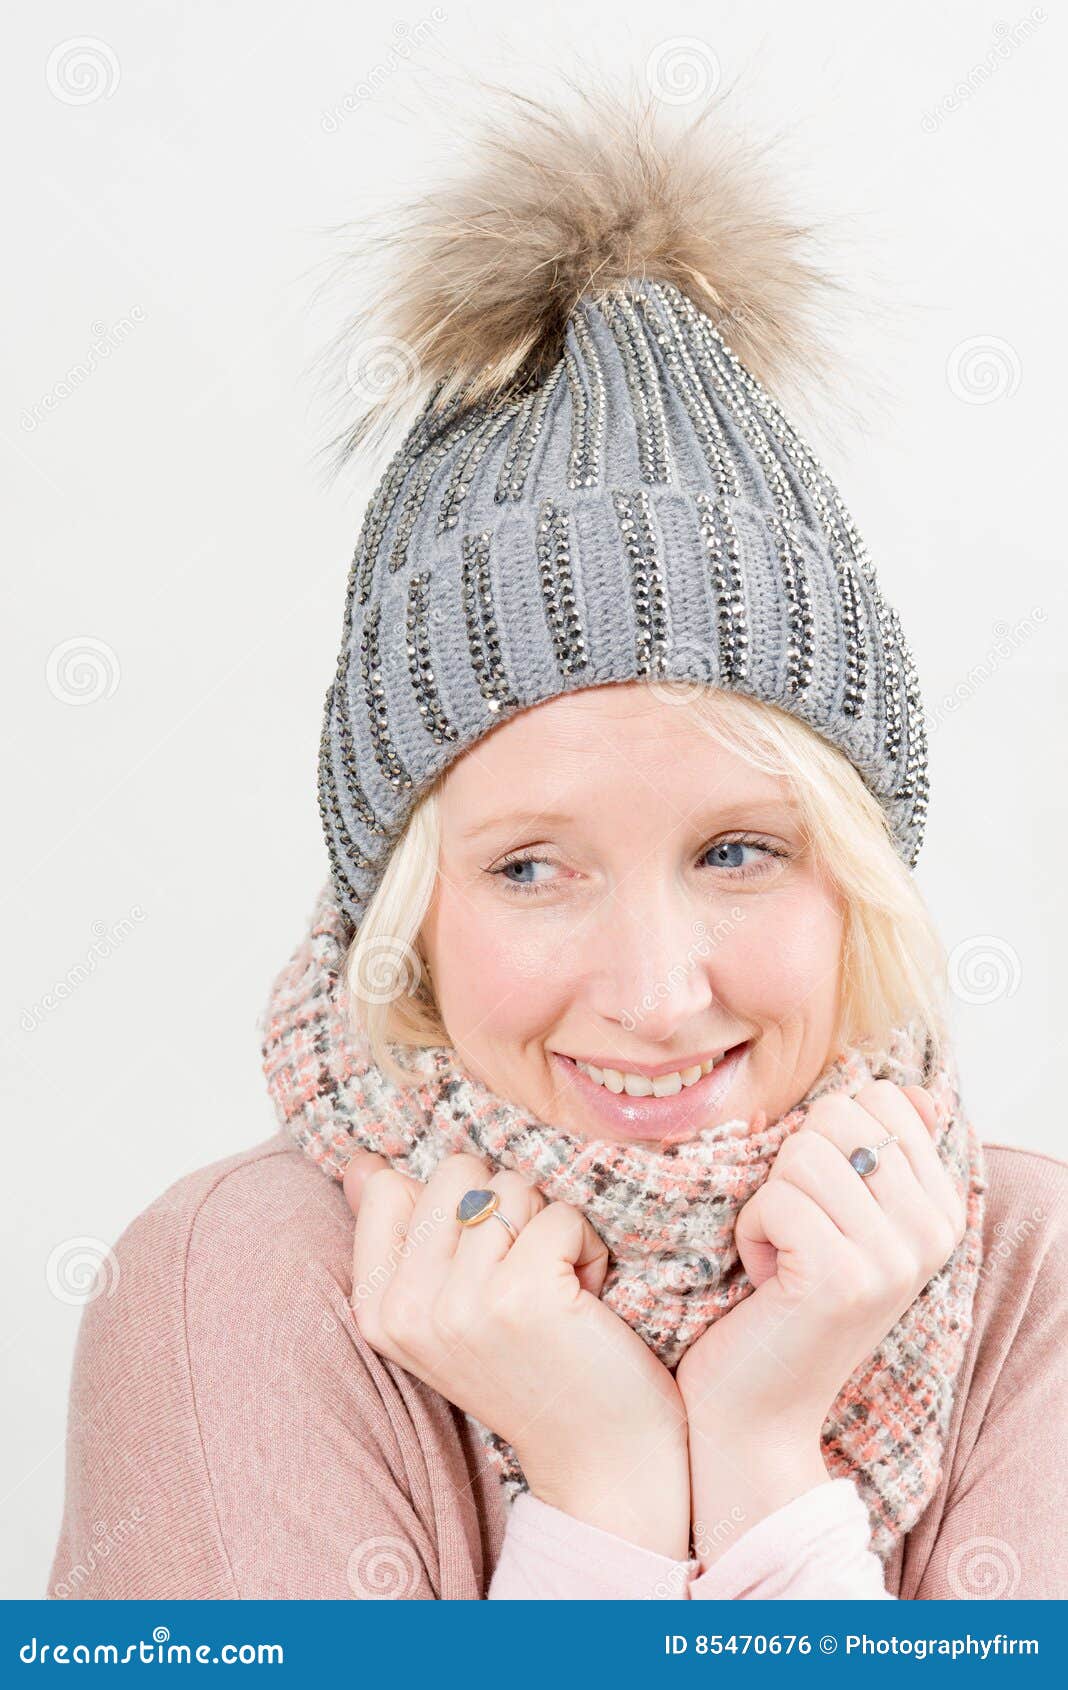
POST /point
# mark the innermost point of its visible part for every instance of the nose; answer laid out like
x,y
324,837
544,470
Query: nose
x,y
649,960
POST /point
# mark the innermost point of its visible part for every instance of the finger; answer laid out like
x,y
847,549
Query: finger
x,y
815,1165
559,1239
781,1230
434,1227
850,1125
924,1103
909,1183
361,1164
902,1116
483,1245
386,1206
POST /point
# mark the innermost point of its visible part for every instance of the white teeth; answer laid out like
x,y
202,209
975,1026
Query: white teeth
x,y
639,1085
666,1085
636,1085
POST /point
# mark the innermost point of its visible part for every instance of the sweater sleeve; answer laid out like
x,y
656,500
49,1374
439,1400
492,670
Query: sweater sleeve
x,y
815,1546
1002,1530
230,1435
548,1555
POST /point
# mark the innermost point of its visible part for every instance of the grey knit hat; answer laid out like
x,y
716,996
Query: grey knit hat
x,y
629,503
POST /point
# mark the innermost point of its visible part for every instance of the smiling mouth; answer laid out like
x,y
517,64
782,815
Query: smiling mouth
x,y
628,1082
666,1108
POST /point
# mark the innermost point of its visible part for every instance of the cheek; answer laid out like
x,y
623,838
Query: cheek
x,y
786,960
495,974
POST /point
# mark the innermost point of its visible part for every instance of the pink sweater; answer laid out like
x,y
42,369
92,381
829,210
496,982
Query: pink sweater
x,y
232,1435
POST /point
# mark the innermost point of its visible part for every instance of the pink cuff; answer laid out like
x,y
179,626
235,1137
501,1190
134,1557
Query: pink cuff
x,y
548,1555
814,1547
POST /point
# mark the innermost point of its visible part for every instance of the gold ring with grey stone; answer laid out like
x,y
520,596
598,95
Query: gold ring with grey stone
x,y
866,1159
475,1207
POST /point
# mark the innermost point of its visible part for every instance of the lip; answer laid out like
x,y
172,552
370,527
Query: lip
x,y
662,1120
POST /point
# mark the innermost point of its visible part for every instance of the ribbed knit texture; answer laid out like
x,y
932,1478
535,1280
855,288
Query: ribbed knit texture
x,y
667,1216
645,512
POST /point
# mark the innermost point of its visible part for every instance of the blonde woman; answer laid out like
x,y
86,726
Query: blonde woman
x,y
619,1024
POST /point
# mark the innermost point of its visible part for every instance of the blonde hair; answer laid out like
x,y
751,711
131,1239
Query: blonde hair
x,y
893,964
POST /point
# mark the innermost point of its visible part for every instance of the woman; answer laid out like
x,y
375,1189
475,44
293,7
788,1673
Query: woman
x,y
676,1267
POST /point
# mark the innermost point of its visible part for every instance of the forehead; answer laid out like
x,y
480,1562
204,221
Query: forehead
x,y
618,746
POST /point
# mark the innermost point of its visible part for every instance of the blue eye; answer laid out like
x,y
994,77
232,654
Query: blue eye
x,y
522,863
729,845
734,848
729,851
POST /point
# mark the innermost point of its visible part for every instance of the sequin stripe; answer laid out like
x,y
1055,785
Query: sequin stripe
x,y
887,633
634,516
558,587
459,482
666,330
640,377
354,791
800,651
385,753
889,638
578,474
482,636
529,423
914,784
415,498
427,698
705,342
725,568
651,447
820,490
377,515
331,814
512,451
598,403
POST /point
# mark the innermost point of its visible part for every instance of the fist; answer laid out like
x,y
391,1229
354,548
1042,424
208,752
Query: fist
x,y
515,1333
835,1259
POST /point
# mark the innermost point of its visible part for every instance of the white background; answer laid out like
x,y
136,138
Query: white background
x,y
167,513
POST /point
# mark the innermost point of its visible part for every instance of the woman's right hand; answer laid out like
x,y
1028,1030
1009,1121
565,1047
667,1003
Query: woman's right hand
x,y
516,1335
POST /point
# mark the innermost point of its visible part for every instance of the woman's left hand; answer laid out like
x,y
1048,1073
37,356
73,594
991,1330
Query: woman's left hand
x,y
835,1259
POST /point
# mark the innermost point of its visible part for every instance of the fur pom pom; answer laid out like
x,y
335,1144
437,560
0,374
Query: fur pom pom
x,y
555,202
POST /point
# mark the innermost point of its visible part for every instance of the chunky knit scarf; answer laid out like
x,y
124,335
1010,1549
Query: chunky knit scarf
x,y
667,1215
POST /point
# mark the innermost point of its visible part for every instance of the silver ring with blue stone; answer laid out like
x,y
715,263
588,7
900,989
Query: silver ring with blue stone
x,y
866,1159
475,1207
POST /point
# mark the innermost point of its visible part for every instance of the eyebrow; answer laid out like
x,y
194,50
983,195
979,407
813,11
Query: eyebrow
x,y
517,819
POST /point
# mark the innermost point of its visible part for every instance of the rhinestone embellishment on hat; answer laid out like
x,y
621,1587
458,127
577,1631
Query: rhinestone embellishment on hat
x,y
647,579
558,587
482,636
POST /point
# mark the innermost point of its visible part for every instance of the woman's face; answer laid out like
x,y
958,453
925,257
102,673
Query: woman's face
x,y
615,888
